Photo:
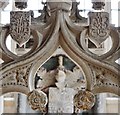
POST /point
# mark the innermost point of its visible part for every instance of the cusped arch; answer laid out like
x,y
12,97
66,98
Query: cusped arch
x,y
69,45
45,53
80,62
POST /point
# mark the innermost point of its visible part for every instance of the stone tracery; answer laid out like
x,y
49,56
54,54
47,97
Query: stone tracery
x,y
101,72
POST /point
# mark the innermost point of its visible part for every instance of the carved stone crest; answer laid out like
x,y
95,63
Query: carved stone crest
x,y
19,26
99,27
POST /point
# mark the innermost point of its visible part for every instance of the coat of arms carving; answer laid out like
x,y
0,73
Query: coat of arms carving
x,y
19,26
99,27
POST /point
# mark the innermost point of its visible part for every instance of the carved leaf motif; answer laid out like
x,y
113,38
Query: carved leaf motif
x,y
19,26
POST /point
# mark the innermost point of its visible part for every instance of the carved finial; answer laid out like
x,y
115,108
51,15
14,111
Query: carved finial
x,y
60,61
44,3
60,77
75,13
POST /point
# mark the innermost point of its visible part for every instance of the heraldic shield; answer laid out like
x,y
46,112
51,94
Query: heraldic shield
x,y
99,27
19,26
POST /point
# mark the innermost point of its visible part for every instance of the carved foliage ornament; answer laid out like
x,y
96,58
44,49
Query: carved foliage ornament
x,y
19,26
15,76
99,27
84,100
37,100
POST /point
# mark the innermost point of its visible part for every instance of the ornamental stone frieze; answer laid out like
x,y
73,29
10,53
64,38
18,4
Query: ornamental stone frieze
x,y
60,31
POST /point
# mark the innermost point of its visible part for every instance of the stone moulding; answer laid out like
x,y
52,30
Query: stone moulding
x,y
101,72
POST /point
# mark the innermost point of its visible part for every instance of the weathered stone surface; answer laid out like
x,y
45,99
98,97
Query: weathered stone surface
x,y
98,27
61,31
3,4
54,5
19,26
61,101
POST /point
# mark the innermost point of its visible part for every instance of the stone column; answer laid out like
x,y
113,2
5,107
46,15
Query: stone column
x,y
119,58
102,103
1,98
23,106
107,8
1,105
118,14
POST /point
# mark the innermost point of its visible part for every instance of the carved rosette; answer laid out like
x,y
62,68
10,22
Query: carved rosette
x,y
19,26
37,100
98,27
84,100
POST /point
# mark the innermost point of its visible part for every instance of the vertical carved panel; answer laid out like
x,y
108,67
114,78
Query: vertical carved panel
x,y
19,26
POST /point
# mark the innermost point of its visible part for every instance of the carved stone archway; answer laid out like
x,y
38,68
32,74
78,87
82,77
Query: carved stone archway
x,y
59,29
